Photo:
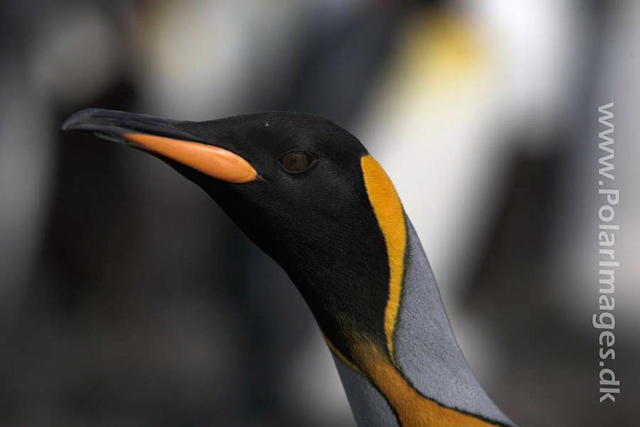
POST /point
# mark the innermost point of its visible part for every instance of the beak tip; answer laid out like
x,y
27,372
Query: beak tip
x,y
77,119
69,123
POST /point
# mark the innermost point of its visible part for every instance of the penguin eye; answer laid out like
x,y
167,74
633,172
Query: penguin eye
x,y
296,161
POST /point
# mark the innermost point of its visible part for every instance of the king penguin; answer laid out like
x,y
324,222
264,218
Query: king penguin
x,y
308,193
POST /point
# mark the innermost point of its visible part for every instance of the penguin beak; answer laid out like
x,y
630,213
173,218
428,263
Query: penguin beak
x,y
163,137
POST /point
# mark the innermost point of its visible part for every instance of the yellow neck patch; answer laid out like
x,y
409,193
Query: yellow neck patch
x,y
390,215
412,409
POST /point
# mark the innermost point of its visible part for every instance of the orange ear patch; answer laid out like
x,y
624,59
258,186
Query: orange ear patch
x,y
390,215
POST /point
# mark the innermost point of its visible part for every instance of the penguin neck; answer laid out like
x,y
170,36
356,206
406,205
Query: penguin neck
x,y
423,377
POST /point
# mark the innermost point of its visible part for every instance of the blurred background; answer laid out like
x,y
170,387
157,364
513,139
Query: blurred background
x,y
128,299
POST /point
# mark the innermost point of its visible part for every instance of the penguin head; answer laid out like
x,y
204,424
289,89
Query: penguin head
x,y
307,192
293,182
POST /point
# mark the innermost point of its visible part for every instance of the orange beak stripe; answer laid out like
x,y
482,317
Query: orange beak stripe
x,y
216,162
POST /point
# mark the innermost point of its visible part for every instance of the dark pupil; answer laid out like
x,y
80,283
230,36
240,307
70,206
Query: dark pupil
x,y
295,162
